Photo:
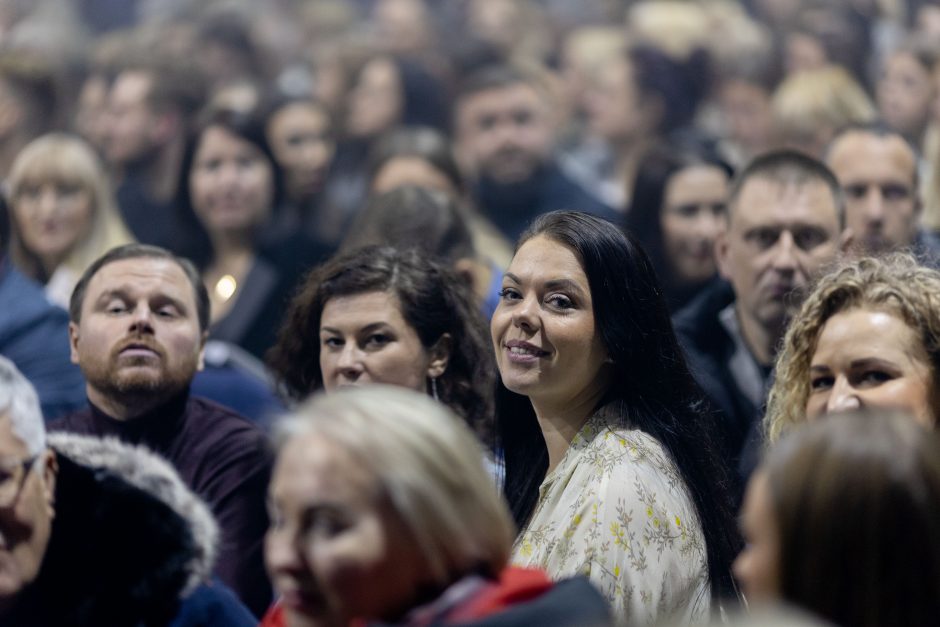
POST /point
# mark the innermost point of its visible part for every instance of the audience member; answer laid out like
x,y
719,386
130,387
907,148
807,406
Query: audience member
x,y
505,135
867,336
406,479
150,106
878,171
841,521
905,89
785,224
34,336
250,257
676,212
99,533
28,103
62,213
611,470
378,315
139,321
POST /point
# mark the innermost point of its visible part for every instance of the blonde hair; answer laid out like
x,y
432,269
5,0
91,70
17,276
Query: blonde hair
x,y
894,283
811,106
427,463
64,158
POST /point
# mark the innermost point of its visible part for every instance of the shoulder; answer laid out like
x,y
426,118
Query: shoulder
x,y
224,431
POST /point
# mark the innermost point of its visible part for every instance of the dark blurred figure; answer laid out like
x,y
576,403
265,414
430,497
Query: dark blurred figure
x,y
28,103
505,137
150,107
677,210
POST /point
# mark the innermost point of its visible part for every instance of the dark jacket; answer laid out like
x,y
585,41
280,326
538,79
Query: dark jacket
x,y
224,459
34,335
130,545
512,207
709,349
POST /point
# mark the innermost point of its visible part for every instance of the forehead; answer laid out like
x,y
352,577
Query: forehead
x,y
544,259
299,114
501,99
767,202
865,331
144,277
131,86
11,446
310,466
857,156
363,308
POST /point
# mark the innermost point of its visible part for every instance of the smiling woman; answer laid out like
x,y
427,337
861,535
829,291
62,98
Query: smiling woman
x,y
610,466
868,336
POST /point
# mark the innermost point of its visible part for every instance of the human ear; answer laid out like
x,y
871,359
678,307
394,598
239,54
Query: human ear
x,y
722,255
439,355
50,472
73,342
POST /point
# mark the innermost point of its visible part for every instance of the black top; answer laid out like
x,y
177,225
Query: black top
x,y
224,459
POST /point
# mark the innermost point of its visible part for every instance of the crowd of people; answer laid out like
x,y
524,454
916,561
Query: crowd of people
x,y
335,313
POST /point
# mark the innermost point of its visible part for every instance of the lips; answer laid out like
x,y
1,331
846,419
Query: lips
x,y
524,352
139,349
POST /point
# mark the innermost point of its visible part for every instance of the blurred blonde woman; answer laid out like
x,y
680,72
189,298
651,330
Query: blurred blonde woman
x,y
810,106
62,212
868,336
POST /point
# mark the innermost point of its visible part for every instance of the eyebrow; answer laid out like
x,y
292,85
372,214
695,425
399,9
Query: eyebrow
x,y
372,326
859,363
553,284
124,294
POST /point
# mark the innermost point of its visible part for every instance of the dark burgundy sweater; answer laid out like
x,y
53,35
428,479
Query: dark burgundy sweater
x,y
223,458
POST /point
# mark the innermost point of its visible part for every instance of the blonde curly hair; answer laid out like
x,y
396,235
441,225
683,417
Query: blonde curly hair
x,y
894,283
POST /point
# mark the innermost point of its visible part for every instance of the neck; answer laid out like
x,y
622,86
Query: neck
x,y
628,153
126,408
560,421
161,170
761,341
231,248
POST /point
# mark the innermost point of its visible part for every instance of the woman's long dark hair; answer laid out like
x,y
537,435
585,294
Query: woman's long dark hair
x,y
651,385
644,220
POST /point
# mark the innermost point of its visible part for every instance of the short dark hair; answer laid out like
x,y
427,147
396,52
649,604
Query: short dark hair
x,y
880,129
141,251
420,142
433,302
791,167
501,76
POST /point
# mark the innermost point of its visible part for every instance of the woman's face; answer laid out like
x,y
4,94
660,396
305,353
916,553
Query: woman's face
x,y
301,139
547,345
757,567
231,183
376,101
613,102
336,549
870,359
905,93
692,215
51,218
364,339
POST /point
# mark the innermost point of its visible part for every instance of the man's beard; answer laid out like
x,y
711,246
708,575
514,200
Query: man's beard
x,y
129,388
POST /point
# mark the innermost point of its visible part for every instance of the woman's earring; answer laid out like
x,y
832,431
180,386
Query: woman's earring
x,y
434,394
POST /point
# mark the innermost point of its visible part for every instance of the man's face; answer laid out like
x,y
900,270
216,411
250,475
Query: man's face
x,y
505,133
139,335
780,235
878,175
26,523
132,129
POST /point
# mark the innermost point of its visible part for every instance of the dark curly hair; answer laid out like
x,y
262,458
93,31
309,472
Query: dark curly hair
x,y
434,301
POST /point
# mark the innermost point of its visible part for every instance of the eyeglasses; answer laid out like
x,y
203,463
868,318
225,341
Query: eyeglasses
x,y
12,478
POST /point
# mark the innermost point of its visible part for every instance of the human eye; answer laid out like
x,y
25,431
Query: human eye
x,y
210,165
331,341
377,340
895,192
855,191
523,117
509,293
687,210
873,377
115,306
808,239
68,189
167,311
763,238
29,192
559,301
486,122
821,382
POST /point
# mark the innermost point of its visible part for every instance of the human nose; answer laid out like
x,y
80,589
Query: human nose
x,y
842,398
709,224
784,256
142,319
525,315
349,363
874,205
48,200
282,552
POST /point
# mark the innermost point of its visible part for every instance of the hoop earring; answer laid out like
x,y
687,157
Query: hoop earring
x,y
434,393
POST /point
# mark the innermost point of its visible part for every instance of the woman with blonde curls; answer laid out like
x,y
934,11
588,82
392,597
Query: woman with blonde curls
x,y
868,336
62,212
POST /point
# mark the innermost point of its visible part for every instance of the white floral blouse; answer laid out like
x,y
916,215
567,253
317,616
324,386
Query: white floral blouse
x,y
616,510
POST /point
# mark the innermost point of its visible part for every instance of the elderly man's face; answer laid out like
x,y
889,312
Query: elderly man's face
x,y
26,519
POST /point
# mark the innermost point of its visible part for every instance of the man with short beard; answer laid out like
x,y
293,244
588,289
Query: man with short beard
x,y
505,133
139,318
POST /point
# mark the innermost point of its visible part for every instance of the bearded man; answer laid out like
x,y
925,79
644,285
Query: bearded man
x,y
138,326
